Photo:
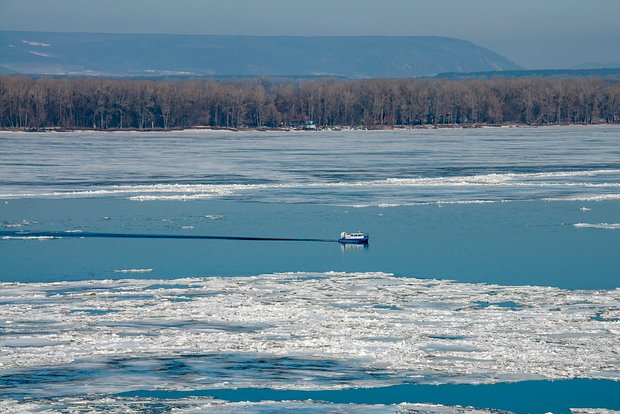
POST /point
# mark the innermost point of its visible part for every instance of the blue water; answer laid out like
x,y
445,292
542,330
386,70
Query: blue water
x,y
519,243
522,397
506,206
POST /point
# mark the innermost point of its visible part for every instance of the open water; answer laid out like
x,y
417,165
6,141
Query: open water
x,y
490,281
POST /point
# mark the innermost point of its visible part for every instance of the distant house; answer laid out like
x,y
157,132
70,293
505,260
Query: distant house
x,y
310,125
303,124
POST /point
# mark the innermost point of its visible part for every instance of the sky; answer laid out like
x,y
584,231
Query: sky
x,y
536,34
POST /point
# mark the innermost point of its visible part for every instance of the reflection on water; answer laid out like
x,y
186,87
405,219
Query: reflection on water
x,y
186,371
349,247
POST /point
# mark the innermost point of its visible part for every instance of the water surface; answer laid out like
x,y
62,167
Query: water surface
x,y
524,221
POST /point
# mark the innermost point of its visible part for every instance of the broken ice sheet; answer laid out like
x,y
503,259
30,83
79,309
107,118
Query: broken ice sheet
x,y
120,405
299,331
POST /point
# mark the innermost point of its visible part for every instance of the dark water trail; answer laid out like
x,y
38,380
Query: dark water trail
x,y
79,235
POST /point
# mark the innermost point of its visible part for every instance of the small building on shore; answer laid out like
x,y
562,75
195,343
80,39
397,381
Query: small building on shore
x,y
303,124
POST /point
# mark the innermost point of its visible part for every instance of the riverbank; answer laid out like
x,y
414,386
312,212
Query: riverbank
x,y
318,129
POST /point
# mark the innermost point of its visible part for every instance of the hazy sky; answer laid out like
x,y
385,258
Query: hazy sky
x,y
533,33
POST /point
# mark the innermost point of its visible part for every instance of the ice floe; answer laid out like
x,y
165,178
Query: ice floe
x,y
586,185
302,331
606,226
41,54
29,237
214,217
121,405
33,43
133,270
596,197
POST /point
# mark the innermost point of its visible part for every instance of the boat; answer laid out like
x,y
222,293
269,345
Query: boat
x,y
353,238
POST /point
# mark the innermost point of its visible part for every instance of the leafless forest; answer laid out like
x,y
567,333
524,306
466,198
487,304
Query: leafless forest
x,y
31,103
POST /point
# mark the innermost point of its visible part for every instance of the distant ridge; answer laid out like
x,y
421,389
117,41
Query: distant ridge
x,y
165,55
611,73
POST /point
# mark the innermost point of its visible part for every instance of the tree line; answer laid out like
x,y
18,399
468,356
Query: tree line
x,y
102,103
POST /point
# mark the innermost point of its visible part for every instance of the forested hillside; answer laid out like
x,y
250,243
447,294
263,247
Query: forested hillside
x,y
120,103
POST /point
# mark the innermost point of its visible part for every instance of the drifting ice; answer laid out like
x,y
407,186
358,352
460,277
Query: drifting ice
x,y
377,329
